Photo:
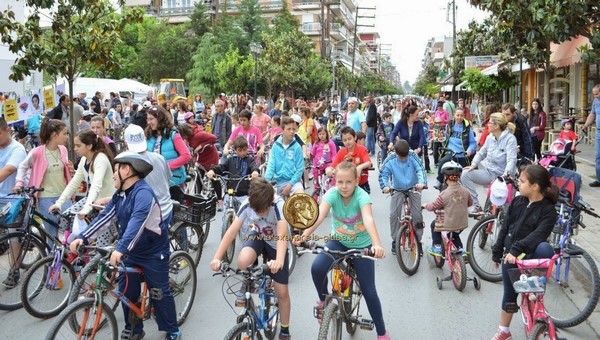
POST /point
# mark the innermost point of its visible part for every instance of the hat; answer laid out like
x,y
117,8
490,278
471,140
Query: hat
x,y
498,191
147,104
135,138
88,113
296,118
187,115
565,121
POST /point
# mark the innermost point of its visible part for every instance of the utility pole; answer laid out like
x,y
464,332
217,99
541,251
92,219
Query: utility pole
x,y
454,76
356,26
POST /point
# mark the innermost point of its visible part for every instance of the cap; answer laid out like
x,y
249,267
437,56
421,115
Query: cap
x,y
565,121
137,162
147,104
135,138
87,113
498,191
187,115
296,118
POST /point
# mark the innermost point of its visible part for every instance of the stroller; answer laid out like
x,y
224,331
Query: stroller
x,y
560,155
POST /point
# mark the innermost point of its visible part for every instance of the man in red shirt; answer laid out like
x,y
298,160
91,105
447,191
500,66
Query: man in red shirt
x,y
355,153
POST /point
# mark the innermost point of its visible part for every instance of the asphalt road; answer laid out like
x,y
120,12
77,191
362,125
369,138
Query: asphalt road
x,y
413,306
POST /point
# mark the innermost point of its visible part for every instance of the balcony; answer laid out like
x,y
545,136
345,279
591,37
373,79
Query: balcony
x,y
311,28
266,6
306,4
341,11
176,11
338,31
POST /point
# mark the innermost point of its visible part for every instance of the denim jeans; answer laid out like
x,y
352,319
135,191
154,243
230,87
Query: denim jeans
x,y
43,204
597,156
371,140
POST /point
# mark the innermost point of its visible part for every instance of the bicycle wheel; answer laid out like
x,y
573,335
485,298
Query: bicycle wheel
x,y
206,228
40,297
182,281
331,325
352,303
100,323
10,297
292,256
272,312
241,331
227,220
540,331
572,298
407,251
188,237
479,247
459,272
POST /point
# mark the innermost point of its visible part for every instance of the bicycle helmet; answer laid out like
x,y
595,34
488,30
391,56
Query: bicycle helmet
x,y
137,162
451,168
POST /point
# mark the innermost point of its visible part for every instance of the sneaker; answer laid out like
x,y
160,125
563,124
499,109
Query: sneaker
x,y
386,336
476,211
435,250
500,335
595,184
126,335
420,247
430,171
174,336
394,248
284,336
437,185
12,279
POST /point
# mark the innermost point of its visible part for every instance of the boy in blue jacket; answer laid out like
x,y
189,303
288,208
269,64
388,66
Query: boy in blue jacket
x,y
286,161
399,173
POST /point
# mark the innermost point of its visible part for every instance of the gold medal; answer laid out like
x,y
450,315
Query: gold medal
x,y
301,211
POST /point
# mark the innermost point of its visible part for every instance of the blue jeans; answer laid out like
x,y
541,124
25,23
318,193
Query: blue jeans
x,y
43,204
597,155
371,140
543,251
365,273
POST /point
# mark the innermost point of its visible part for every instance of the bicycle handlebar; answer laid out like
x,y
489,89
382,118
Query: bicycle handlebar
x,y
27,190
311,247
537,263
258,270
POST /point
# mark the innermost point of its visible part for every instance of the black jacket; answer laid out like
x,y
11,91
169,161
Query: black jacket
x,y
235,165
523,137
98,108
371,115
525,227
55,113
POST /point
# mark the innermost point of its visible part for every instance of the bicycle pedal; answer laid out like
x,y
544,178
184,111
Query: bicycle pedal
x,y
366,324
156,294
318,312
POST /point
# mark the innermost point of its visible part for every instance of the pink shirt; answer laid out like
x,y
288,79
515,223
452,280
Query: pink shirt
x,y
261,122
252,135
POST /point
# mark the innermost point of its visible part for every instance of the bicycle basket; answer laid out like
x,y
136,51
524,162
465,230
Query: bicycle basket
x,y
528,280
197,209
13,212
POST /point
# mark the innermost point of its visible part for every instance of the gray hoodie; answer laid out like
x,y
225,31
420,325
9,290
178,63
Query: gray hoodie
x,y
500,155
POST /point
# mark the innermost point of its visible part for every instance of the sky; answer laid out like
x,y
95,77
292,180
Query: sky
x,y
408,24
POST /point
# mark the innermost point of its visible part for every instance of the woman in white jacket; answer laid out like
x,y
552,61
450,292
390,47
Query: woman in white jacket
x,y
95,168
500,155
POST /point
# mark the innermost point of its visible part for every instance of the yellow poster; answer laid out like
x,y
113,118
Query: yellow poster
x,y
10,110
49,98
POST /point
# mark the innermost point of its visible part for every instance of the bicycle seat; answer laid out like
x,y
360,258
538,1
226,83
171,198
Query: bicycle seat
x,y
573,252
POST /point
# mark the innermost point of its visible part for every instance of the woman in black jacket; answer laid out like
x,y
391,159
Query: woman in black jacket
x,y
527,225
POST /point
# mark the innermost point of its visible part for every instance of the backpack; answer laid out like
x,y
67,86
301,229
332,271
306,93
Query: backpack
x,y
314,135
9,213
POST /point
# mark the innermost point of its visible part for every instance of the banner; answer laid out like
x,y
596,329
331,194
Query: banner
x,y
37,104
49,98
481,62
59,90
10,111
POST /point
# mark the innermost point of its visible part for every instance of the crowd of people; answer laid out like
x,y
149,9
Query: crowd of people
x,y
337,138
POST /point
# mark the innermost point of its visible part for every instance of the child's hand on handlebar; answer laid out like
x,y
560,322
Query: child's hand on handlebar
x,y
386,190
215,265
378,252
275,266
420,186
75,244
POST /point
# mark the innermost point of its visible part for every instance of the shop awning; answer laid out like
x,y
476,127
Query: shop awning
x,y
492,70
462,86
566,53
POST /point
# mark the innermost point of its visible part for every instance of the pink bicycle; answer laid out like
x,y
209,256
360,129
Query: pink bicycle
x,y
529,279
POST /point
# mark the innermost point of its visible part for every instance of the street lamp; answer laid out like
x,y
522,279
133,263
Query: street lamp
x,y
256,49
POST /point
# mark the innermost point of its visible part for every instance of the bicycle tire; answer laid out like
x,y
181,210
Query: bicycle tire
x,y
227,220
292,256
407,250
540,331
62,322
459,273
181,282
240,329
352,304
571,304
10,298
188,237
331,325
206,230
34,296
479,248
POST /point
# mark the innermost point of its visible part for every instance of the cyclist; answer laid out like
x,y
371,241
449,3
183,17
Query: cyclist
x,y
353,227
262,214
451,207
355,153
527,225
402,172
251,133
143,238
286,161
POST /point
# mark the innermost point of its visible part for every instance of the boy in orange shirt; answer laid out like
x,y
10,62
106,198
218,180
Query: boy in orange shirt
x,y
355,153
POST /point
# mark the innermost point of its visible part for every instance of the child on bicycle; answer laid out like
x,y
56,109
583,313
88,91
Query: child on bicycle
x,y
355,153
451,209
399,173
262,213
383,134
322,153
143,238
237,166
353,227
250,132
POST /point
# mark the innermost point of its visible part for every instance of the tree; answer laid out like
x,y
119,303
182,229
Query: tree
x,y
252,22
200,20
82,32
527,27
234,71
488,85
426,82
407,86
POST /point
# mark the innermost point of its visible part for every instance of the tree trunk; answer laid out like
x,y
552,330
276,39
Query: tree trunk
x,y
70,80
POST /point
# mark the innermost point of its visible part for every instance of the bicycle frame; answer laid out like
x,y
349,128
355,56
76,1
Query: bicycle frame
x,y
257,314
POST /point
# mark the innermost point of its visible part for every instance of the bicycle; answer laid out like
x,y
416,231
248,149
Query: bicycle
x,y
529,279
232,204
408,249
256,316
456,264
343,304
92,317
322,183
